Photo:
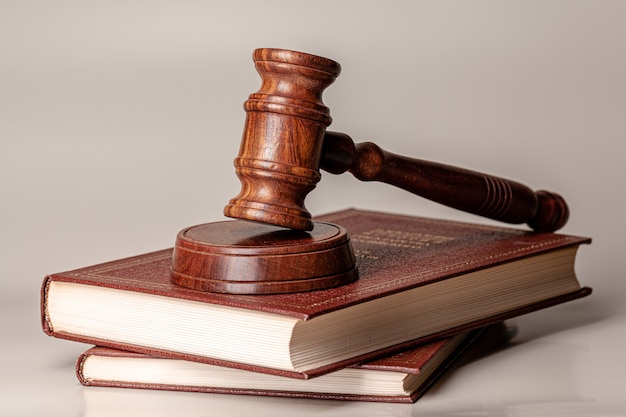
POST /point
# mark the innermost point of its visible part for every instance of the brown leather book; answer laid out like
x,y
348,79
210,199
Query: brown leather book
x,y
420,280
401,378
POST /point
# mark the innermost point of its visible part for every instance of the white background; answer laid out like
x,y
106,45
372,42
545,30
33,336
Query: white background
x,y
119,122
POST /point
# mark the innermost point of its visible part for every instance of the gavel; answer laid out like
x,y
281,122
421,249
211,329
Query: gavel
x,y
285,144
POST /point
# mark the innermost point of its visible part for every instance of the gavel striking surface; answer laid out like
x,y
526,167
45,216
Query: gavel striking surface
x,y
242,257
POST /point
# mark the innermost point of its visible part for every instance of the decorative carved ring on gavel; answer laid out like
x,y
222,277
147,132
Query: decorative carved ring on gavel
x,y
285,143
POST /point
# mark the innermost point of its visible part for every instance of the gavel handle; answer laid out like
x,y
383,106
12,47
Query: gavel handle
x,y
473,192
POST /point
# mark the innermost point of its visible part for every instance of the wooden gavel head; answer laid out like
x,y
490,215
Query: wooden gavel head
x,y
278,162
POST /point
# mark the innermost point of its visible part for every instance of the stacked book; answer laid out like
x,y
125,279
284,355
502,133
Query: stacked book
x,y
426,289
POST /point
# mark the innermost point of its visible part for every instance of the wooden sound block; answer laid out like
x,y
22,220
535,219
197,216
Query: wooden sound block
x,y
242,257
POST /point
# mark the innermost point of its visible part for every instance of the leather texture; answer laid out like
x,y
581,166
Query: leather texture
x,y
394,253
410,361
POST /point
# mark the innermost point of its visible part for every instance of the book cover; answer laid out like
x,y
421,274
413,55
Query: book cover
x,y
401,378
419,280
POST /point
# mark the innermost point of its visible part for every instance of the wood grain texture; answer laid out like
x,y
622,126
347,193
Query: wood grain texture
x,y
240,257
473,192
278,162
285,144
